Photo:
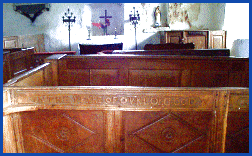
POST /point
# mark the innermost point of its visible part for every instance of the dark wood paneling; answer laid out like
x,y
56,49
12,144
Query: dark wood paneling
x,y
6,67
18,62
237,132
204,78
180,52
104,77
168,71
77,77
155,78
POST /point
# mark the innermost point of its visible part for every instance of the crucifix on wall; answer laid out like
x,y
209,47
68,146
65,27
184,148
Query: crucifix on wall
x,y
105,25
110,13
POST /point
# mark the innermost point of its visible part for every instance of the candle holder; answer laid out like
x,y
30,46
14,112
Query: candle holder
x,y
89,32
69,20
115,34
134,18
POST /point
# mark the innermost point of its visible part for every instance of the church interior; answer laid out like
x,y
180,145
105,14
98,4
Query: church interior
x,y
125,77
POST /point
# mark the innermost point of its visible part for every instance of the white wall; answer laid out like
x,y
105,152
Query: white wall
x,y
50,23
237,26
17,24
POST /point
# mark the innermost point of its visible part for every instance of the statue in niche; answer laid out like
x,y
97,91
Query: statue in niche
x,y
157,17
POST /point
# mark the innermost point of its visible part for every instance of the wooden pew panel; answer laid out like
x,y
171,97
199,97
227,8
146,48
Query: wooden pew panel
x,y
167,132
58,131
153,71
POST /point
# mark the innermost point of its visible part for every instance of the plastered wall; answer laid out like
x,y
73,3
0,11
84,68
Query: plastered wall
x,y
210,17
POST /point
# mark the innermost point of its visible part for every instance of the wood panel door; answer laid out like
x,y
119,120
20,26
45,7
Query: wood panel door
x,y
174,37
167,132
199,41
199,38
217,39
55,131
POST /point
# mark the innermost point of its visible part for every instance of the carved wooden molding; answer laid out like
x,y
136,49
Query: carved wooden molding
x,y
119,98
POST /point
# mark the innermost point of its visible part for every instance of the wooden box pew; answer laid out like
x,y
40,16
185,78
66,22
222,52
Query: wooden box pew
x,y
19,60
13,49
16,62
40,56
183,52
167,46
153,71
40,115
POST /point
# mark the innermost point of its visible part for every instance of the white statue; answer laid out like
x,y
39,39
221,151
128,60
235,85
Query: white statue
x,y
157,17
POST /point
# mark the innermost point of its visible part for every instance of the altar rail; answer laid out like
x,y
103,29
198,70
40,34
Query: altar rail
x,y
44,117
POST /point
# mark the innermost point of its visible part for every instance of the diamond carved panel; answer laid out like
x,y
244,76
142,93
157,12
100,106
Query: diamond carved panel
x,y
169,132
63,131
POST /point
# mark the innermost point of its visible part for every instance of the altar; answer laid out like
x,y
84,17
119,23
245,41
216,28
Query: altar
x,y
101,43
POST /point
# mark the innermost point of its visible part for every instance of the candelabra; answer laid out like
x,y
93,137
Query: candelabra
x,y
89,32
115,34
69,20
134,18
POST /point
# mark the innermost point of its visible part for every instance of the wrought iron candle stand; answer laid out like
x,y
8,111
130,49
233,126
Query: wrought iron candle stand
x,y
115,34
134,18
69,20
89,32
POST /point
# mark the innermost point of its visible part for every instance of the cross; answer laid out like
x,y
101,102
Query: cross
x,y
105,18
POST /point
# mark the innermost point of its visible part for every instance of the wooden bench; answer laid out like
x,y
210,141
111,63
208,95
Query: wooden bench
x,y
112,116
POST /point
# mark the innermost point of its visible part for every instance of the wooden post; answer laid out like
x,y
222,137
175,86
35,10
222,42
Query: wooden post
x,y
55,72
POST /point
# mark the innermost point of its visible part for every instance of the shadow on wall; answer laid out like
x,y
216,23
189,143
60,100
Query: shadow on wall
x,y
153,39
240,48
